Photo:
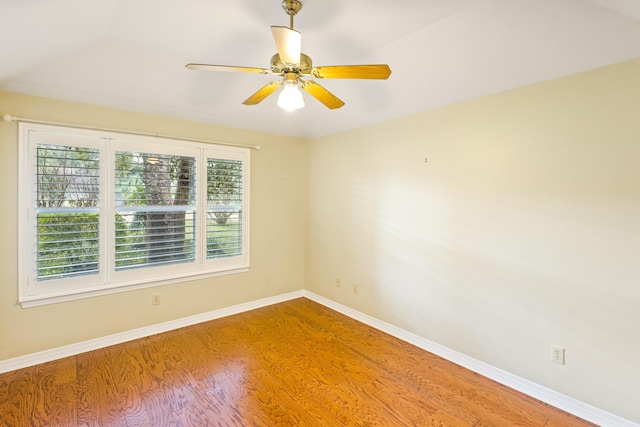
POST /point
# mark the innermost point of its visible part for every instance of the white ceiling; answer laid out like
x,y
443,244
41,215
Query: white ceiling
x,y
130,54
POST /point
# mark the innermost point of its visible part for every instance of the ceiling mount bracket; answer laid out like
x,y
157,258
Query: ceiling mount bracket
x,y
291,7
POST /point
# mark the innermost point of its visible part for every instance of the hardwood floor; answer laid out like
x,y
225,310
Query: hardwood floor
x,y
293,364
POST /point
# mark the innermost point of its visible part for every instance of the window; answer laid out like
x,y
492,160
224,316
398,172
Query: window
x,y
102,212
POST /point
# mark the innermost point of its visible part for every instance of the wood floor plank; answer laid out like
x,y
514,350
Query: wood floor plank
x,y
292,364
40,395
391,397
441,418
563,419
403,363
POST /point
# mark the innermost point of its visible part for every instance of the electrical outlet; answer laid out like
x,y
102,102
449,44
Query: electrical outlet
x,y
355,289
557,354
337,282
155,299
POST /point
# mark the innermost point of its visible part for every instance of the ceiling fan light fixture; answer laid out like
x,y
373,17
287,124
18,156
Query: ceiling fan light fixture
x,y
290,97
292,64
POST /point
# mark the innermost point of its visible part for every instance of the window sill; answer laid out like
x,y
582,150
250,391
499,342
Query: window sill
x,y
40,300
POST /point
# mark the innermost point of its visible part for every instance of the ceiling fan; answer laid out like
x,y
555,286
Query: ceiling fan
x,y
292,64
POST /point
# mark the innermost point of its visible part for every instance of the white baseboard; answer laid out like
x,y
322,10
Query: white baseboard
x,y
553,398
94,344
534,390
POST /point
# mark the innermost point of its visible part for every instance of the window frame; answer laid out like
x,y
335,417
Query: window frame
x,y
32,292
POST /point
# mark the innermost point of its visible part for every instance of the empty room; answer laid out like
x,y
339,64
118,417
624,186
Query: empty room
x,y
320,213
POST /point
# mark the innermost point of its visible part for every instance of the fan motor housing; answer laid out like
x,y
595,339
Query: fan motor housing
x,y
278,67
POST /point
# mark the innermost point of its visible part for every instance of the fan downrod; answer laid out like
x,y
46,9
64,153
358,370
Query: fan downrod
x,y
291,7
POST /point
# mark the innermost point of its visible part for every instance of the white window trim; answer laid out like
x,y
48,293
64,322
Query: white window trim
x,y
28,296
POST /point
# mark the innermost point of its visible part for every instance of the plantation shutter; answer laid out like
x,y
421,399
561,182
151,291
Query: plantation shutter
x,y
67,211
155,213
224,208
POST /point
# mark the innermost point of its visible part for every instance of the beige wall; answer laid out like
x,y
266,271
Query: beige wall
x,y
522,230
277,234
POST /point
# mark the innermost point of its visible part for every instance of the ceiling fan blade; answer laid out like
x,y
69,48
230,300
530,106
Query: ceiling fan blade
x,y
261,94
321,94
289,44
211,67
376,71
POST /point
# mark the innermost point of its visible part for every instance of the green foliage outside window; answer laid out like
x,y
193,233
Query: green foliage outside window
x,y
67,245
